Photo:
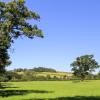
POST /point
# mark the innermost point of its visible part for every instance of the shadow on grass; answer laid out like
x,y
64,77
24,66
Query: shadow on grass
x,y
79,81
76,81
72,98
7,93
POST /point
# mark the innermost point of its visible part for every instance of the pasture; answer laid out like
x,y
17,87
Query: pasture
x,y
51,90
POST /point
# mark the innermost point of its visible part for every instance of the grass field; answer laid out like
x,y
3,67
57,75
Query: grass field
x,y
51,90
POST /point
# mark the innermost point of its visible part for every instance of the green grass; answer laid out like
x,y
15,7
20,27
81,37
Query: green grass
x,y
51,90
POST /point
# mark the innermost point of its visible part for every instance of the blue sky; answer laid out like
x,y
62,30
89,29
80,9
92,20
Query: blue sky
x,y
71,28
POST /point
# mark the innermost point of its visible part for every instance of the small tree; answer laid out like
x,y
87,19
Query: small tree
x,y
83,65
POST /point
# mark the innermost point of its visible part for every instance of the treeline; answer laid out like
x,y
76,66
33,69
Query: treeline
x,y
36,69
29,76
33,76
41,74
21,74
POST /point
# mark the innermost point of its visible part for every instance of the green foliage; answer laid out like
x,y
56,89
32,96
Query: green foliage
x,y
31,75
4,60
43,69
10,76
84,65
14,18
36,69
97,76
20,70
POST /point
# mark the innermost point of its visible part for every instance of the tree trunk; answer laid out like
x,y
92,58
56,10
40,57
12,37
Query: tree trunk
x,y
82,78
0,85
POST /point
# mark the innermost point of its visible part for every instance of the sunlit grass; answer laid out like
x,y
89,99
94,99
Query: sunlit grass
x,y
46,90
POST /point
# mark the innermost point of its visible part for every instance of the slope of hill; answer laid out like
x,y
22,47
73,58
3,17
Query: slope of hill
x,y
35,74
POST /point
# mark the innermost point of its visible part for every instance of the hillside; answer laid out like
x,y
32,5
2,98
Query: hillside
x,y
59,75
36,74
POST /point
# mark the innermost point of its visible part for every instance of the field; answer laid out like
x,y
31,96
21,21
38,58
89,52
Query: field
x,y
60,75
51,90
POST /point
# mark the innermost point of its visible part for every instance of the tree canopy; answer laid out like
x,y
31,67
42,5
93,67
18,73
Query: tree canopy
x,y
43,69
14,18
83,65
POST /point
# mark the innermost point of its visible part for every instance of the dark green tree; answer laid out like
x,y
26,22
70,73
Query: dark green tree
x,y
43,69
14,17
84,65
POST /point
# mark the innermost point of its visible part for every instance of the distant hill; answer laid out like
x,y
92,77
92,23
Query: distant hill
x,y
45,72
39,73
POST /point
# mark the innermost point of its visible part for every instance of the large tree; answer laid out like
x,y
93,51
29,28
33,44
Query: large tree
x,y
83,65
14,17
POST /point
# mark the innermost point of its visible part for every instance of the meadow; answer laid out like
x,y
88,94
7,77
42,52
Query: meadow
x,y
51,90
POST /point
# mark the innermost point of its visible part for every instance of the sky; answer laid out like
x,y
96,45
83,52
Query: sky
x,y
71,28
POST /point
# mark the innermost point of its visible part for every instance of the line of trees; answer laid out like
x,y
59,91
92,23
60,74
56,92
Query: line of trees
x,y
36,69
43,69
31,75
